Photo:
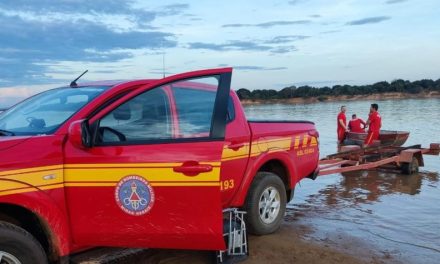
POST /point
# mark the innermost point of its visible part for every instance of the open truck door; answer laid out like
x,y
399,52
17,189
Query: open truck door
x,y
149,174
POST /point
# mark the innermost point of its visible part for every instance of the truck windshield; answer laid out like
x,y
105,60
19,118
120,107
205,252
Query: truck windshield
x,y
45,112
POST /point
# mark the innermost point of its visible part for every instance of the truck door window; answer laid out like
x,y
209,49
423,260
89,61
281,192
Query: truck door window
x,y
179,110
194,101
145,117
194,111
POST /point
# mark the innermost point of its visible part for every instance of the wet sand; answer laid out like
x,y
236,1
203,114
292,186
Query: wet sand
x,y
291,244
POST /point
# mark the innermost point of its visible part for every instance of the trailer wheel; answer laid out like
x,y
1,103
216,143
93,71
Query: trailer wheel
x,y
17,246
265,204
409,168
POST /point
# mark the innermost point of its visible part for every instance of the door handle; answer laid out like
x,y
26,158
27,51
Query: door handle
x,y
236,146
192,168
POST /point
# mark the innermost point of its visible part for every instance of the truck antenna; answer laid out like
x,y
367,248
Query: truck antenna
x,y
163,63
73,83
163,58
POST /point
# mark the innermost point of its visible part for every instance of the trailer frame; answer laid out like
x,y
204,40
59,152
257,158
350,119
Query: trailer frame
x,y
355,158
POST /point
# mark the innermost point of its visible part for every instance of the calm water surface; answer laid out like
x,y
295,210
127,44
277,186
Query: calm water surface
x,y
397,214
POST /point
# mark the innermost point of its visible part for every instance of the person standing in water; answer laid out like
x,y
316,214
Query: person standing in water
x,y
342,124
374,123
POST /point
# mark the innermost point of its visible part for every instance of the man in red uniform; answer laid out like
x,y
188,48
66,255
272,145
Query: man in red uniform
x,y
374,124
342,124
356,125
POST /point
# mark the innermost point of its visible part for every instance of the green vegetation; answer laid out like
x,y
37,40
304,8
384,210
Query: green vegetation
x,y
399,86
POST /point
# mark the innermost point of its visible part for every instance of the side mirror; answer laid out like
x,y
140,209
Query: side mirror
x,y
79,134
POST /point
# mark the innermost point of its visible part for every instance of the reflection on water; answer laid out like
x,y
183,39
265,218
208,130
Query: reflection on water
x,y
397,213
364,187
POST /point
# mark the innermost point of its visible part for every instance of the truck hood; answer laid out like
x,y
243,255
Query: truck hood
x,y
7,142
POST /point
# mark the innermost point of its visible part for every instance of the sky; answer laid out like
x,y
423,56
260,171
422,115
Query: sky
x,y
270,44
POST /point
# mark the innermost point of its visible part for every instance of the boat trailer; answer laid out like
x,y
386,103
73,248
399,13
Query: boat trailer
x,y
385,157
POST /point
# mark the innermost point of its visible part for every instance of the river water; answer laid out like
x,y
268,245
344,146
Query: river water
x,y
395,215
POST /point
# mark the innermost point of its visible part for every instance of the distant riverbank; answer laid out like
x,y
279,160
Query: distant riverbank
x,y
370,97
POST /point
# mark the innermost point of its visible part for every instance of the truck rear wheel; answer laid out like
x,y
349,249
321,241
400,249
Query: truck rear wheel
x,y
265,204
17,246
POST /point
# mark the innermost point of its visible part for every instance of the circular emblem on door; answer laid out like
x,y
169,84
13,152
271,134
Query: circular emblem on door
x,y
134,195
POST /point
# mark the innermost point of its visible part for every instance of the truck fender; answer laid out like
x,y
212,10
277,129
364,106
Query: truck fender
x,y
39,203
255,164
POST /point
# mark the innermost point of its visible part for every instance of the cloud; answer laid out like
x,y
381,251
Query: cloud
x,y
95,7
14,94
173,9
368,20
254,68
32,44
241,46
72,9
283,49
232,45
330,31
395,1
286,39
269,24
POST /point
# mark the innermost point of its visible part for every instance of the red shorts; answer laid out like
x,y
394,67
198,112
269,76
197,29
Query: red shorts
x,y
341,135
372,135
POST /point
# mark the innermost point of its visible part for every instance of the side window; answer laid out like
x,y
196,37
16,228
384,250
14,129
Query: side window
x,y
179,110
194,108
145,117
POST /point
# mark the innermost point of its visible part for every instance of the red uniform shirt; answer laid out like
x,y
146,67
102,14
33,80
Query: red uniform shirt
x,y
341,116
355,125
341,129
375,122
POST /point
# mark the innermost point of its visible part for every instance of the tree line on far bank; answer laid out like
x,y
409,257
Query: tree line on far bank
x,y
399,86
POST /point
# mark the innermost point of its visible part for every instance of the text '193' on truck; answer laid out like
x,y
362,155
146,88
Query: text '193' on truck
x,y
161,163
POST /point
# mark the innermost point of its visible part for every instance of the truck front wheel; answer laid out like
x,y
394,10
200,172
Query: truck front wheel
x,y
265,204
17,246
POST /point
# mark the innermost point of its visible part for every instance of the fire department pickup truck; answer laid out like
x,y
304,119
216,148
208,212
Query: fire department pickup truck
x,y
144,163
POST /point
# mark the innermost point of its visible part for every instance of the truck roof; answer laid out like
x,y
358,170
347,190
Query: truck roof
x,y
114,82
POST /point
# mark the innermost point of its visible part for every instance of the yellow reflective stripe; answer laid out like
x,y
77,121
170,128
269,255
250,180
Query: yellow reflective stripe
x,y
305,141
31,189
189,184
154,184
313,142
36,178
150,174
282,144
33,169
14,188
297,138
49,187
90,184
229,154
271,145
131,165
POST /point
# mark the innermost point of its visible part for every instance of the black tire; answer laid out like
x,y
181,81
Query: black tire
x,y
18,243
255,223
409,168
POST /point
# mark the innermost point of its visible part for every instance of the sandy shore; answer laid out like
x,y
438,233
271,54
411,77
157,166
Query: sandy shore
x,y
291,244
378,97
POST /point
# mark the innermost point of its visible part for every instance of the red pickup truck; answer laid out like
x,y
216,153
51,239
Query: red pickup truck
x,y
144,163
